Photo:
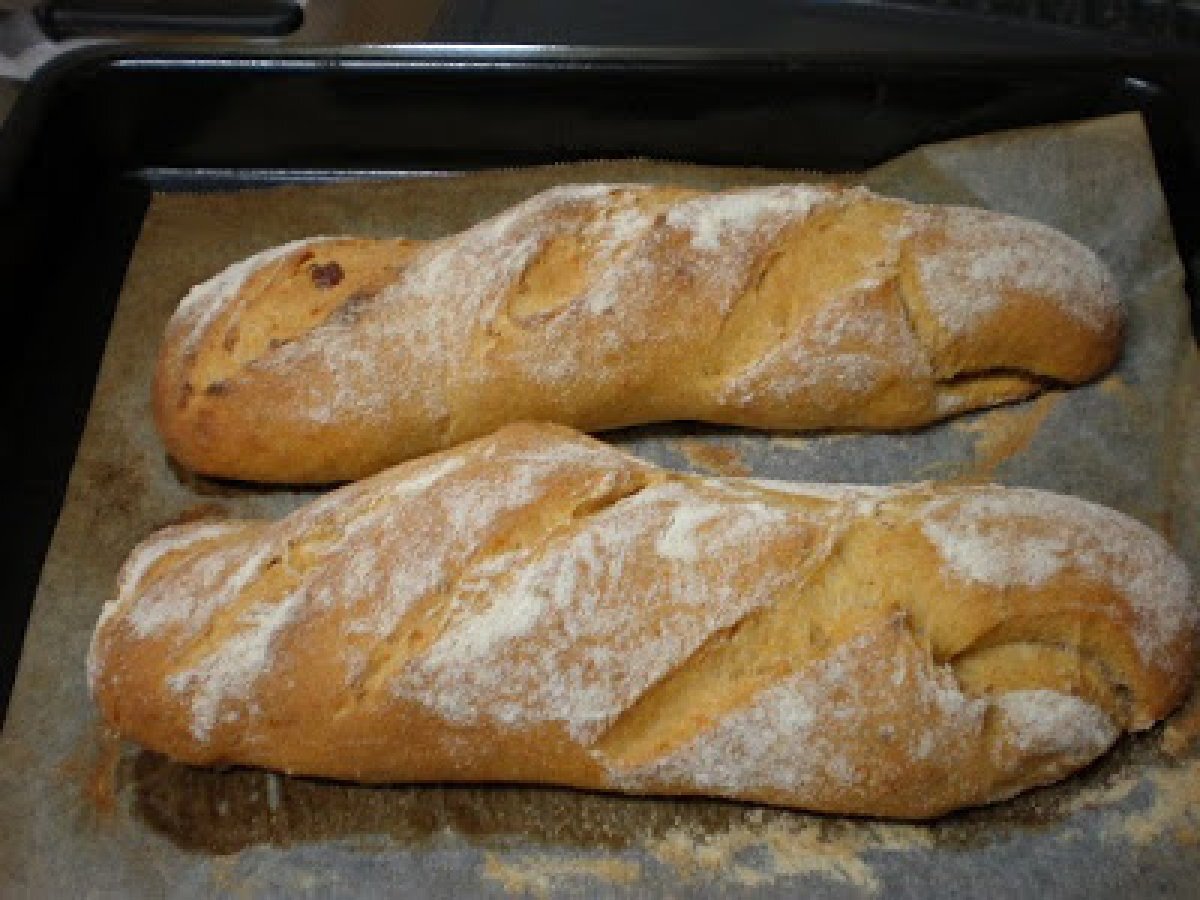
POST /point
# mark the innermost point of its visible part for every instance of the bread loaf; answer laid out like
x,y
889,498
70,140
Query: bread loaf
x,y
789,307
536,606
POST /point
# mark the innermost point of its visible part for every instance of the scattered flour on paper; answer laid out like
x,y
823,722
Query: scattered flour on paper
x,y
541,875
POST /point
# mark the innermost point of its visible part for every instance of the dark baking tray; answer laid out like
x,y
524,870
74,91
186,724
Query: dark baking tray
x,y
101,129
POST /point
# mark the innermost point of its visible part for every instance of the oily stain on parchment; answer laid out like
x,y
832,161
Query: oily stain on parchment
x,y
1001,434
712,458
222,812
94,769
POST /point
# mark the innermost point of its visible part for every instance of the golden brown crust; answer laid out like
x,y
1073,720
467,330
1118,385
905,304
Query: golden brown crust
x,y
796,307
538,606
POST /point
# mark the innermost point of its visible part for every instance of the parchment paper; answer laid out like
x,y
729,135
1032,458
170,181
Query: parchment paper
x,y
88,816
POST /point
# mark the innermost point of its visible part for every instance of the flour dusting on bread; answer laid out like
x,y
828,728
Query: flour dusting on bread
x,y
241,658
1049,722
987,255
202,305
569,638
802,731
849,348
714,219
1020,537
